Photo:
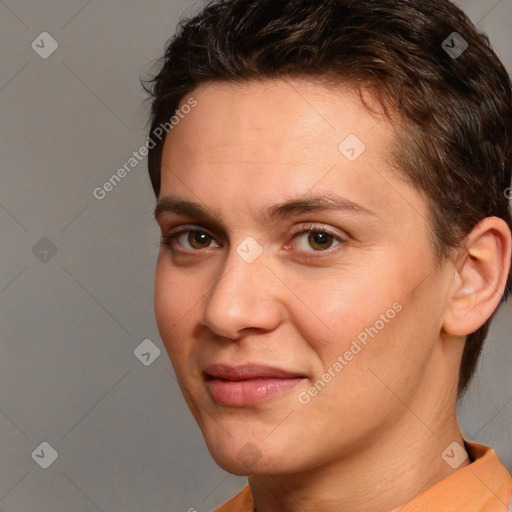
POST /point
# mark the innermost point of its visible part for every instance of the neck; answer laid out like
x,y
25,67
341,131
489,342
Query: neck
x,y
379,476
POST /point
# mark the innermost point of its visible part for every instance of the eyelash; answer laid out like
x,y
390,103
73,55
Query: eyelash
x,y
171,241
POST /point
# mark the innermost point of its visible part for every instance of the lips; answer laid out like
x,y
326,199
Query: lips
x,y
248,384
246,372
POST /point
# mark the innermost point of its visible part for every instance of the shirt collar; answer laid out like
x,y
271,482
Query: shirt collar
x,y
483,486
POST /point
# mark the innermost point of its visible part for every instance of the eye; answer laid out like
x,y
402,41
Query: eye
x,y
309,239
315,239
189,240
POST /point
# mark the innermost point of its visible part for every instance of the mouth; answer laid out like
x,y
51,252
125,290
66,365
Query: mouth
x,y
245,385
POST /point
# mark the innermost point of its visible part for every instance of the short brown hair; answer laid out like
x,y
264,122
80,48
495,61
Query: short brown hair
x,y
455,109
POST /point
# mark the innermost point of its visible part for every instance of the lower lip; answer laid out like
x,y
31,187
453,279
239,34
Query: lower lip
x,y
248,392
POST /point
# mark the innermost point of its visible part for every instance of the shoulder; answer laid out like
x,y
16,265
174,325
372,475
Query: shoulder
x,y
242,502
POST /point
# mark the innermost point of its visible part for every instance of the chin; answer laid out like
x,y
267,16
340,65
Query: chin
x,y
246,457
238,457
246,467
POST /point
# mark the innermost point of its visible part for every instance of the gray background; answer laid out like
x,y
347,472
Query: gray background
x,y
70,321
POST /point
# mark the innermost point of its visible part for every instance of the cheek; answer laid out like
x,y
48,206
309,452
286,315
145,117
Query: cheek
x,y
370,317
339,309
175,298
397,337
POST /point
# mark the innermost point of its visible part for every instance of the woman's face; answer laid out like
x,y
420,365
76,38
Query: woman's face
x,y
303,332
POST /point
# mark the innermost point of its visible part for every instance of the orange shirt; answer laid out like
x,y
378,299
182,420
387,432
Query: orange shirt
x,y
483,486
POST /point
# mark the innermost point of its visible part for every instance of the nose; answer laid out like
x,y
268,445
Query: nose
x,y
245,296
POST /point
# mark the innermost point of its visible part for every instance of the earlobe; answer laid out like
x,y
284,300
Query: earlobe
x,y
481,276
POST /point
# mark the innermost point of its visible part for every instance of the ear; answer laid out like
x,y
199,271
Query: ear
x,y
482,269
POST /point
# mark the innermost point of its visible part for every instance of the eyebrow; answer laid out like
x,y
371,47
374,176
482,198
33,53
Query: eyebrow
x,y
289,208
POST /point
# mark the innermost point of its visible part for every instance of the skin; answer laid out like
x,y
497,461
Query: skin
x,y
372,439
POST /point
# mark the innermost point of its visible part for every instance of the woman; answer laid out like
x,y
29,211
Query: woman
x,y
335,241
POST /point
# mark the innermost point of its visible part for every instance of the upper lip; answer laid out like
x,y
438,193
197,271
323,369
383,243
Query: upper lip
x,y
247,371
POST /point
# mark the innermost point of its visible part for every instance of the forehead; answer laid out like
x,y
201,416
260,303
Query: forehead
x,y
278,115
262,141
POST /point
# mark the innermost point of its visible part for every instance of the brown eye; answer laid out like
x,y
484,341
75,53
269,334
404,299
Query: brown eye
x,y
198,239
320,240
316,240
189,240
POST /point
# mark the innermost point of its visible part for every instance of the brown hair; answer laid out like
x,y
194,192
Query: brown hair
x,y
455,109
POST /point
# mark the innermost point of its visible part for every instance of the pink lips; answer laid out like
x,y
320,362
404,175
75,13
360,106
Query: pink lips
x,y
247,384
